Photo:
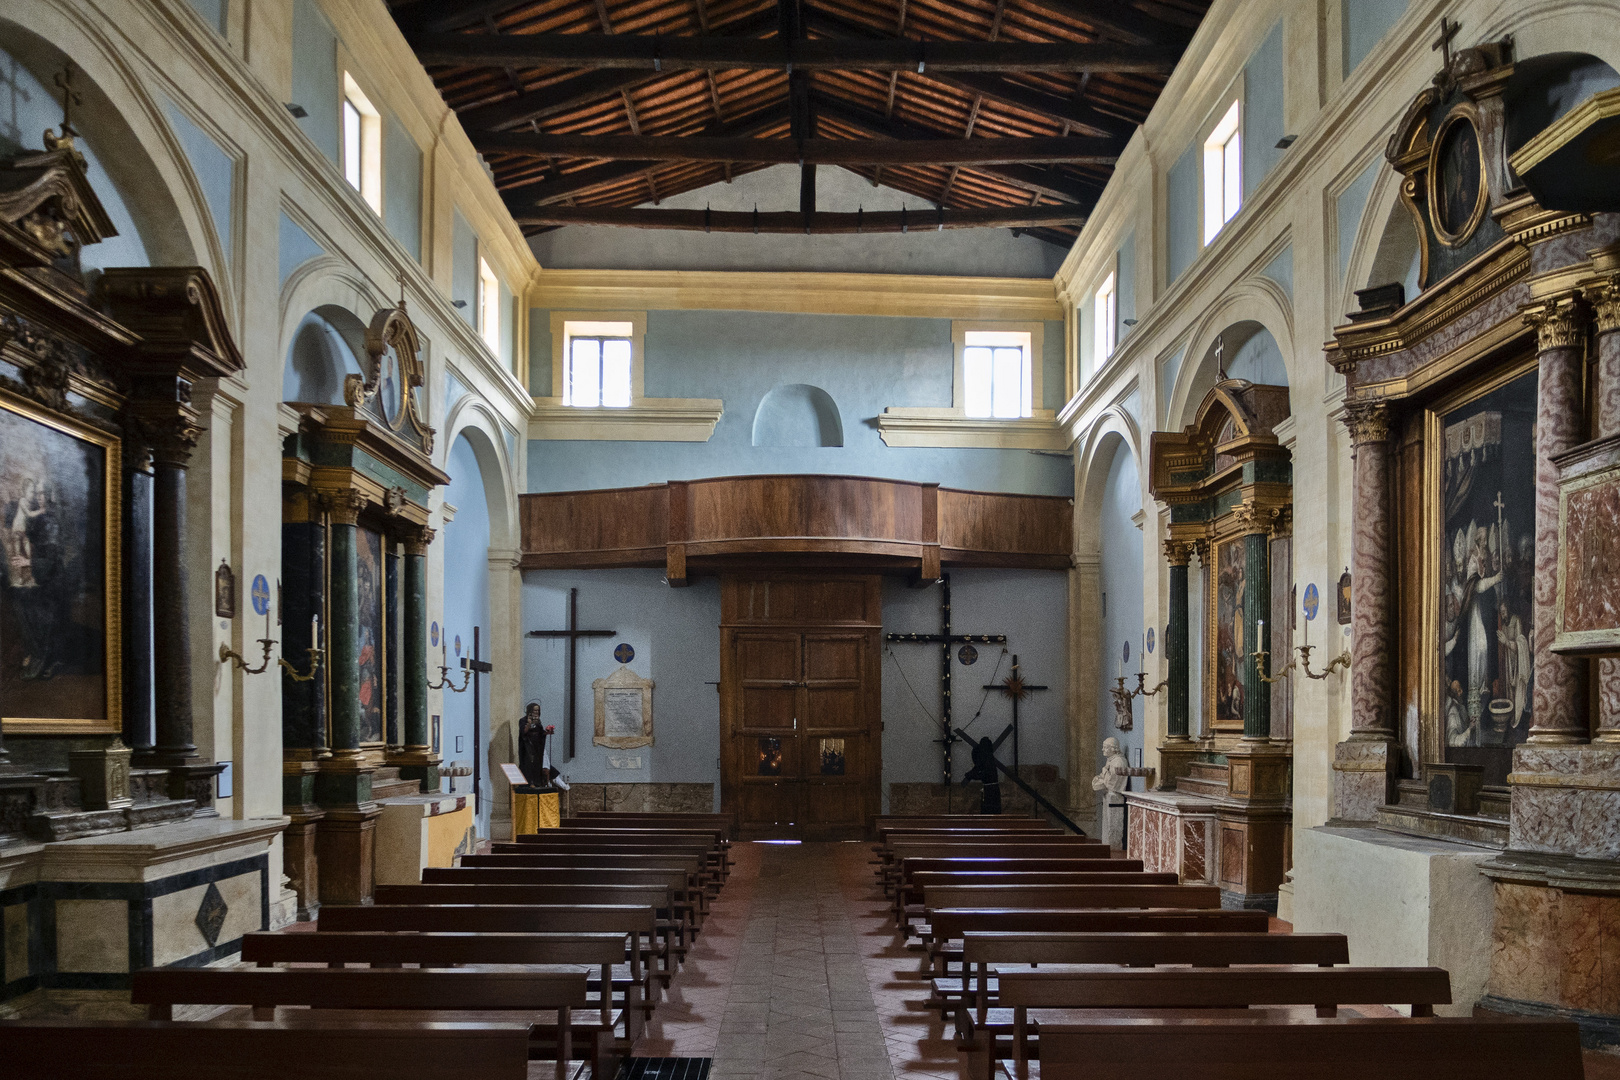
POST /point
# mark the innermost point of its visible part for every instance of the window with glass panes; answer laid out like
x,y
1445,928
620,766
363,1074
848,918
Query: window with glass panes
x,y
996,377
598,374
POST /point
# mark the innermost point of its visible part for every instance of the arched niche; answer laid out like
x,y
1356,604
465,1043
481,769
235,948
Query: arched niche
x,y
1245,350
326,346
798,414
136,189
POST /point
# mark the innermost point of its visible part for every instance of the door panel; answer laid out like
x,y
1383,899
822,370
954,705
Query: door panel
x,y
832,657
768,707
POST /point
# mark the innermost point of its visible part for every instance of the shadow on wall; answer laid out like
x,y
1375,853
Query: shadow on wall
x,y
326,346
798,414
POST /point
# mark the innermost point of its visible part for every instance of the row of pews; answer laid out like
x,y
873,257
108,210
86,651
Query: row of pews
x,y
1048,954
553,948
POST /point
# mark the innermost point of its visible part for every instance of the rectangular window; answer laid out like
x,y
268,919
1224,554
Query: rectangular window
x,y
598,365
996,377
1223,172
489,307
1105,315
362,143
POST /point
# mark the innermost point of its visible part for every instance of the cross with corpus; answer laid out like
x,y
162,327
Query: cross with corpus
x,y
573,633
1014,687
945,639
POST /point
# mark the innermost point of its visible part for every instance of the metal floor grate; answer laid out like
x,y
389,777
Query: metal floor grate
x,y
665,1068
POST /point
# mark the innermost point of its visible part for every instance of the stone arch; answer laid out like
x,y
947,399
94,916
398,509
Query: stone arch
x,y
129,146
1253,305
1388,246
798,414
326,346
342,301
471,417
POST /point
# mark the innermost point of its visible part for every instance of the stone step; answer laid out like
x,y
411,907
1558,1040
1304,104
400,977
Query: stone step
x,y
1209,789
391,788
1207,770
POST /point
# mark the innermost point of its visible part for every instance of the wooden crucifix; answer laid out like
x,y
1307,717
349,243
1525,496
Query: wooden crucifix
x,y
1015,688
945,639
573,633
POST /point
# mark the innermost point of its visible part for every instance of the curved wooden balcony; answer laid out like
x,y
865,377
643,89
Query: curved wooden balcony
x,y
797,521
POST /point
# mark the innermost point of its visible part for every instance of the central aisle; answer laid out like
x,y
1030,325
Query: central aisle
x,y
798,973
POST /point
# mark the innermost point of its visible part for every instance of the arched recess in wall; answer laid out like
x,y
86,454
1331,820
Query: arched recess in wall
x,y
465,609
135,166
798,414
1255,306
326,346
1388,246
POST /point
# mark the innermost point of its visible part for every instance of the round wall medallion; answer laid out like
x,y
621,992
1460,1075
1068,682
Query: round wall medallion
x,y
624,653
1457,186
967,654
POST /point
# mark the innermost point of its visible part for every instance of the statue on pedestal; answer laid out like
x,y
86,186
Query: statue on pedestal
x,y
534,751
1113,782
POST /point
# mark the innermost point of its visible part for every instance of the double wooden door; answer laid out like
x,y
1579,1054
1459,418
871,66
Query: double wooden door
x,y
800,706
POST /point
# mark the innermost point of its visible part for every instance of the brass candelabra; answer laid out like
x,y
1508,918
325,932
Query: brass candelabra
x,y
444,682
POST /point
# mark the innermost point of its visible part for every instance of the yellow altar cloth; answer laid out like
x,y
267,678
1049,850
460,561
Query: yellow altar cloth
x,y
533,812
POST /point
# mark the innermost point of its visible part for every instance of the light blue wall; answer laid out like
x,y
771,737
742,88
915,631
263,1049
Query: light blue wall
x,y
1281,270
676,637
295,247
1125,287
27,108
798,414
539,353
1364,23
1031,608
1263,110
1181,213
508,312
325,347
923,250
212,12
1121,574
315,77
464,268
1259,360
466,605
1348,207
402,187
864,362
215,171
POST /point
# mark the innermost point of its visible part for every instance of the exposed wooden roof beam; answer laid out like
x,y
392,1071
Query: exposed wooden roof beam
x,y
926,219
970,152
696,53
553,100
1120,21
1054,184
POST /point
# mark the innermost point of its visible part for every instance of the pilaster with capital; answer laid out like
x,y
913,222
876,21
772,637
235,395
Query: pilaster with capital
x,y
1559,711
1177,554
418,761
343,507
1605,300
1256,523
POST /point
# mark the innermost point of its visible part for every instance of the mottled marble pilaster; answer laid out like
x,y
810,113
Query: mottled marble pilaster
x,y
1364,766
1606,313
1559,711
1177,553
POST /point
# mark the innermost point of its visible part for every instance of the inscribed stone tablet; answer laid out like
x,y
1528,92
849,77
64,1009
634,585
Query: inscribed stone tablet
x,y
622,713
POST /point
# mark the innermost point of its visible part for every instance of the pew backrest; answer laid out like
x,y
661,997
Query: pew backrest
x,y
491,918
1149,948
656,896
361,988
678,880
949,924
438,947
1015,879
1108,986
912,864
1047,896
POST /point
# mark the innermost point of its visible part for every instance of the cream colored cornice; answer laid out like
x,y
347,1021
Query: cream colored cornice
x,y
912,295
947,427
648,420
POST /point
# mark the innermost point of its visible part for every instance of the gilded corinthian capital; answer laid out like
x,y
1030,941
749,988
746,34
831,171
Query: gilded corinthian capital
x,y
1559,324
1178,552
1368,422
1605,300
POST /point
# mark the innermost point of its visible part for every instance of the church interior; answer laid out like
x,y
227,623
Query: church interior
x,y
441,442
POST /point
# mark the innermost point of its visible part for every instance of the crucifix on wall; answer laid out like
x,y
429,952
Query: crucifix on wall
x,y
573,633
1015,688
945,639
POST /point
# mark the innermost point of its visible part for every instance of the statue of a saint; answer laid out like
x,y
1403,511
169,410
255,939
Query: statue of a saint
x,y
1113,782
534,748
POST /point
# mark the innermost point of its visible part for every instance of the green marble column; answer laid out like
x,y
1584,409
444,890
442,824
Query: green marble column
x,y
417,759
344,779
1256,605
1175,642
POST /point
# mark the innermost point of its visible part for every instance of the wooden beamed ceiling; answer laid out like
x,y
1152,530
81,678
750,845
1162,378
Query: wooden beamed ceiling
x,y
995,111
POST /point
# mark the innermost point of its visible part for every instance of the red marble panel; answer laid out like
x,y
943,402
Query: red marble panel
x,y
1592,531
1524,951
1193,857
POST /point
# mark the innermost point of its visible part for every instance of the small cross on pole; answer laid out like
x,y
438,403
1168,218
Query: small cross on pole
x,y
1015,688
70,98
400,277
1448,30
573,633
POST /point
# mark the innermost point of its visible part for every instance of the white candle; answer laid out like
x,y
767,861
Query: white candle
x,y
1260,635
1307,630
315,631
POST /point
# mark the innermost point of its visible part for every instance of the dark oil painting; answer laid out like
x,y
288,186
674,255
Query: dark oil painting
x,y
369,560
1487,568
1231,586
53,579
770,757
832,757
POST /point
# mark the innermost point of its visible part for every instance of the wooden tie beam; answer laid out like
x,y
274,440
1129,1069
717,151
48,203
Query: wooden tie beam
x,y
1068,151
735,221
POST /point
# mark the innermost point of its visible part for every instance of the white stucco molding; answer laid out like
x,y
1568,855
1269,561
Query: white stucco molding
x,y
948,427
648,420
471,416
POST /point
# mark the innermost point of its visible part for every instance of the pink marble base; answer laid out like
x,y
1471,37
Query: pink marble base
x,y
1566,800
1363,774
1175,834
1560,948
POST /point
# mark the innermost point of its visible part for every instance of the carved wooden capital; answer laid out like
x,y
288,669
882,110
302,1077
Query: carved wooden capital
x,y
1178,552
1254,519
1605,299
417,539
1368,422
344,505
1559,324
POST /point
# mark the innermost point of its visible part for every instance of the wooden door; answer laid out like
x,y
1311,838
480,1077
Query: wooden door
x,y
800,706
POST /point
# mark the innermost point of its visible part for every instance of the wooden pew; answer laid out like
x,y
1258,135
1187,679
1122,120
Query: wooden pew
x,y
683,887
1076,896
981,948
1100,874
639,924
693,864
1326,1049
380,949
428,992
1022,846
722,830
1106,986
951,924
708,843
245,1050
902,869
719,821
673,920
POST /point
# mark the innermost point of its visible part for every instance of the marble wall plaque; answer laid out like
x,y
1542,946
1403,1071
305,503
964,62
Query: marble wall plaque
x,y
1588,606
624,711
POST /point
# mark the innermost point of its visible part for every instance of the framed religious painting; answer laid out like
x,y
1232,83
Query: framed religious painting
x,y
1483,487
60,647
373,633
1226,607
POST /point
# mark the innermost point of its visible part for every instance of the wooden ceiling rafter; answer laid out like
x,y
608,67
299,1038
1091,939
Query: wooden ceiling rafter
x,y
854,79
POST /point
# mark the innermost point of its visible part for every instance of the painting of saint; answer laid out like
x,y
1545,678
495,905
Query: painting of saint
x,y
832,757
770,757
53,573
1459,177
1487,570
1231,650
369,560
